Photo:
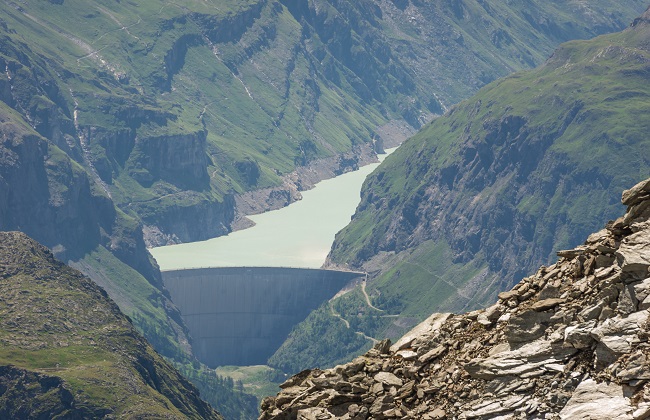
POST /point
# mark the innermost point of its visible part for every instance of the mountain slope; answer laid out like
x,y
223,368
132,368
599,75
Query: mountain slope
x,y
569,342
457,46
67,350
521,169
492,188
175,110
125,124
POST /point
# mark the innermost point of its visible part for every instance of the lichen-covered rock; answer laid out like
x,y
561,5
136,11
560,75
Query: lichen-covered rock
x,y
569,342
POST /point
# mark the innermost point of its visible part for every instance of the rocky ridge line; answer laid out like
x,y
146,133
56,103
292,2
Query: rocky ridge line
x,y
569,342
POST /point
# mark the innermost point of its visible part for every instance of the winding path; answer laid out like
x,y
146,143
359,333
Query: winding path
x,y
363,289
347,324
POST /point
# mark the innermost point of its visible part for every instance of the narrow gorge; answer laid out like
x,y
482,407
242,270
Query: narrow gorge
x,y
129,126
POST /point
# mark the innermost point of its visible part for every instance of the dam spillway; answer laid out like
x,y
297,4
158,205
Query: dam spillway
x,y
241,315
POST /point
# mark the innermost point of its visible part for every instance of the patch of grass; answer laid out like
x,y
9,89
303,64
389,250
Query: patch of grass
x,y
261,381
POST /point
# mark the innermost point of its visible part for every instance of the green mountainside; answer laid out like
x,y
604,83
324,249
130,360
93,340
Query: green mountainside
x,y
127,124
493,188
66,350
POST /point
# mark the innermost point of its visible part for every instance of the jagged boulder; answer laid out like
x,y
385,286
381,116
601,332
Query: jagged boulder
x,y
569,342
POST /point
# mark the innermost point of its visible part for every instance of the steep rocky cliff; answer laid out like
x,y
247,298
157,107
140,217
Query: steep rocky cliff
x,y
174,110
493,188
67,351
568,342
128,124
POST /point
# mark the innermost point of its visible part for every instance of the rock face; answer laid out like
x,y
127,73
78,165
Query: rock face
x,y
486,193
569,342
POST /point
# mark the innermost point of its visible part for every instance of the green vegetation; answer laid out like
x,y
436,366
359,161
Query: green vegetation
x,y
482,195
546,144
229,397
305,346
119,116
142,304
260,381
67,350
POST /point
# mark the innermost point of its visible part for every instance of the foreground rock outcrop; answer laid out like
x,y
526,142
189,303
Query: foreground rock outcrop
x,y
569,342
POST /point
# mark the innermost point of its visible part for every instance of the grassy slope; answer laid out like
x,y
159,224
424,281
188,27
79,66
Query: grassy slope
x,y
588,104
269,95
209,91
58,323
502,181
458,46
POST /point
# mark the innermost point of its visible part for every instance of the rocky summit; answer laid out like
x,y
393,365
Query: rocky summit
x,y
569,342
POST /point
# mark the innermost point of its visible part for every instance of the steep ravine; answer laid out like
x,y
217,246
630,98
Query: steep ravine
x,y
490,190
568,342
502,179
121,117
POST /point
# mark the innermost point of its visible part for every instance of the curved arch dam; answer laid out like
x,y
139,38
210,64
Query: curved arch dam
x,y
242,315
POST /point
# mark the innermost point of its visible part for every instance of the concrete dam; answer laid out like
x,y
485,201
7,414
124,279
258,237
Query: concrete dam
x,y
241,315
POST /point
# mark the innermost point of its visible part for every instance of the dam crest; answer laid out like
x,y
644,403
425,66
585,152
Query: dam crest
x,y
242,315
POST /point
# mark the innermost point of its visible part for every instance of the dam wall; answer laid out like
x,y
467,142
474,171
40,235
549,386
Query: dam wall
x,y
241,315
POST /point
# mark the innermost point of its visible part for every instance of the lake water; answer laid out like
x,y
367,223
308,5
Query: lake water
x,y
299,235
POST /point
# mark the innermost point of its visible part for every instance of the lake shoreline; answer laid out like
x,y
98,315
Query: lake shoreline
x,y
298,235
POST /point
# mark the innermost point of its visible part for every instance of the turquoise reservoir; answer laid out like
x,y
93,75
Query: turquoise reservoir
x,y
299,235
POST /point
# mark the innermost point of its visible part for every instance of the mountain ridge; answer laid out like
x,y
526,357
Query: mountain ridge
x,y
67,350
570,341
122,117
490,190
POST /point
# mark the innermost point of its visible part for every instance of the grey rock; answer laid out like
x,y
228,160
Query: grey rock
x,y
436,414
407,354
507,295
546,304
636,368
528,358
571,253
579,336
383,346
317,413
492,408
642,289
548,292
597,401
636,194
527,326
627,302
388,378
619,333
604,260
634,255
296,379
353,367
425,328
432,354
592,312
598,237
645,305
606,272
380,405
377,388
